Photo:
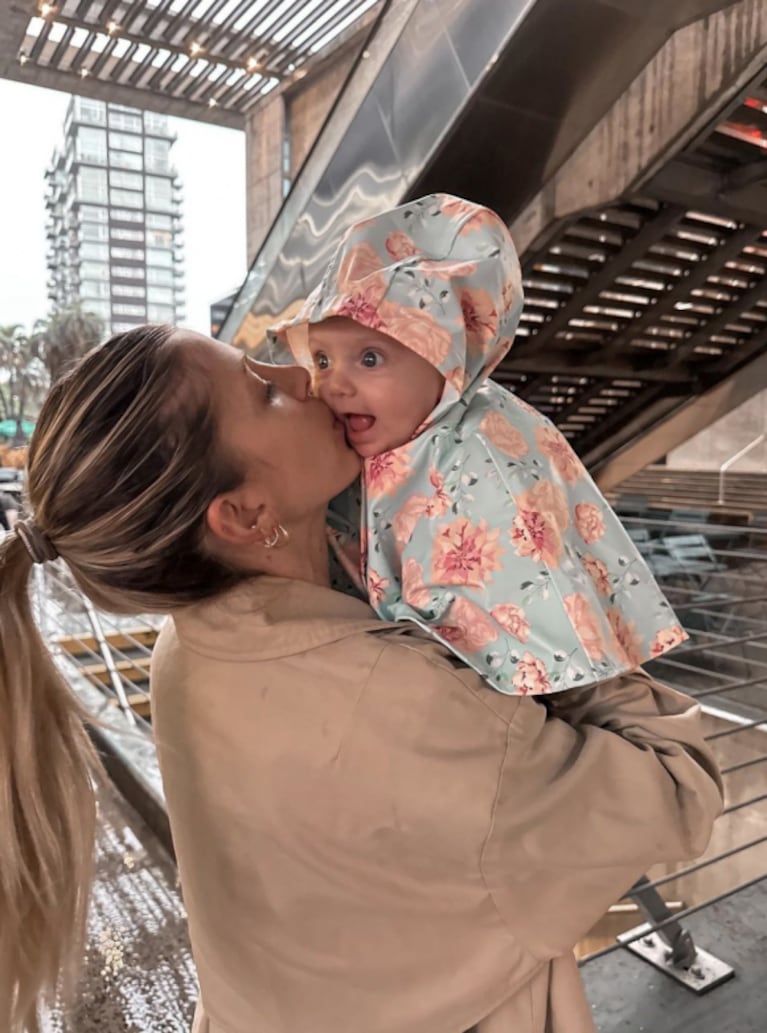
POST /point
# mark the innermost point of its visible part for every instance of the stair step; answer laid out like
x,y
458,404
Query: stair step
x,y
82,644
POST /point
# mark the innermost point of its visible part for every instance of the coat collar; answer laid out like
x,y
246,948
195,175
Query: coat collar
x,y
269,617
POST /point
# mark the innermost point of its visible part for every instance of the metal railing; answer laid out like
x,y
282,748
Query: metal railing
x,y
663,940
725,466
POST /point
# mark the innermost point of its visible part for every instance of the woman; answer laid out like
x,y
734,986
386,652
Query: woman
x,y
367,837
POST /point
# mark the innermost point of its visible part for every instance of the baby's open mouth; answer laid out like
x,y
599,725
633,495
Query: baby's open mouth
x,y
358,423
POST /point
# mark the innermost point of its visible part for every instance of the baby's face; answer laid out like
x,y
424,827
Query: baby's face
x,y
380,389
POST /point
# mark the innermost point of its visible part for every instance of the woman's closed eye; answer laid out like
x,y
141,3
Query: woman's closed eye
x,y
270,388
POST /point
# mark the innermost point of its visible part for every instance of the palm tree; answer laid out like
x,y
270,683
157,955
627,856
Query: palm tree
x,y
65,336
23,374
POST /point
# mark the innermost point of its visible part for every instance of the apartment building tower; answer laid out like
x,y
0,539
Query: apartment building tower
x,y
115,232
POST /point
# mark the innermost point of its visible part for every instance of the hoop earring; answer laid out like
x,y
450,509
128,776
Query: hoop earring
x,y
278,537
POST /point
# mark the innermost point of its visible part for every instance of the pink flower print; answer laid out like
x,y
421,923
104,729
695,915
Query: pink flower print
x,y
589,522
512,619
547,497
455,207
468,627
417,330
400,245
359,263
377,586
387,472
667,639
509,293
421,506
465,554
414,591
362,307
598,573
456,377
586,624
535,531
504,435
531,676
629,641
554,445
479,317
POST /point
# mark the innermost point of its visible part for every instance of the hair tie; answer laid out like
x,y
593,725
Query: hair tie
x,y
36,541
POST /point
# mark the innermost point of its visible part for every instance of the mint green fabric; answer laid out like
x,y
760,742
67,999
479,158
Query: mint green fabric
x,y
485,529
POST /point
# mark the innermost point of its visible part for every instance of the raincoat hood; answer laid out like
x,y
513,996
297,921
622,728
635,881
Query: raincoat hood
x,y
485,528
439,275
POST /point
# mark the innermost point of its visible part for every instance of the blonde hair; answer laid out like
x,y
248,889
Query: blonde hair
x,y
122,467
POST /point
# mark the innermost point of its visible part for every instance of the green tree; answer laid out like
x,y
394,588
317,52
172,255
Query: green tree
x,y
67,335
24,379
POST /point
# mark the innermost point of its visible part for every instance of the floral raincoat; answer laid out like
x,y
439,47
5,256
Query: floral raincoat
x,y
485,529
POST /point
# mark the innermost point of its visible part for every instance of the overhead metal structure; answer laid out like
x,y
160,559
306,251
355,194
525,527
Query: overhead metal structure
x,y
636,306
211,60
627,149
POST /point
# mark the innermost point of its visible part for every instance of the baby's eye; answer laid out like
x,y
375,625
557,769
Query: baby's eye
x,y
321,360
371,359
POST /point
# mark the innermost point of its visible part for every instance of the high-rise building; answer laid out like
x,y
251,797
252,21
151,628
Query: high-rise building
x,y
115,227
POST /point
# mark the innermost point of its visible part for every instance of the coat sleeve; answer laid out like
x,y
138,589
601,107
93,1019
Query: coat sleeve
x,y
595,788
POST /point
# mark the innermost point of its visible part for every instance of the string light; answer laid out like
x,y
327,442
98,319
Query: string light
x,y
196,49
46,9
112,28
212,103
23,57
252,64
84,73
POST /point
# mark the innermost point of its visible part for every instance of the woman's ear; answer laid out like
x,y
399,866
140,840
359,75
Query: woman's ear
x,y
235,523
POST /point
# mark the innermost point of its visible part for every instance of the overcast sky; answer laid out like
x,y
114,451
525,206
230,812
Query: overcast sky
x,y
210,161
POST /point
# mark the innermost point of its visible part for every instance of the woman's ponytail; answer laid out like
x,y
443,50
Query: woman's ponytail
x,y
47,809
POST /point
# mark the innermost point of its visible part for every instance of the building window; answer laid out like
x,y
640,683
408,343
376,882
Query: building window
x,y
94,289
92,184
156,123
125,160
97,252
94,271
160,238
94,111
129,198
122,234
157,154
160,295
135,254
121,215
90,213
119,328
156,256
123,120
158,222
160,313
158,193
128,272
94,231
91,145
98,308
125,142
127,180
128,310
162,277
126,290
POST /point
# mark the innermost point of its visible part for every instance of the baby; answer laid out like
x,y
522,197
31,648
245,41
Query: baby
x,y
478,522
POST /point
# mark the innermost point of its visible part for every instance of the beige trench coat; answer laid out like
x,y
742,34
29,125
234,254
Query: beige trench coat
x,y
372,841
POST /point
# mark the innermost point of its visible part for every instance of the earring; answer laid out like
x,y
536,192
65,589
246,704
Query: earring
x,y
279,536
